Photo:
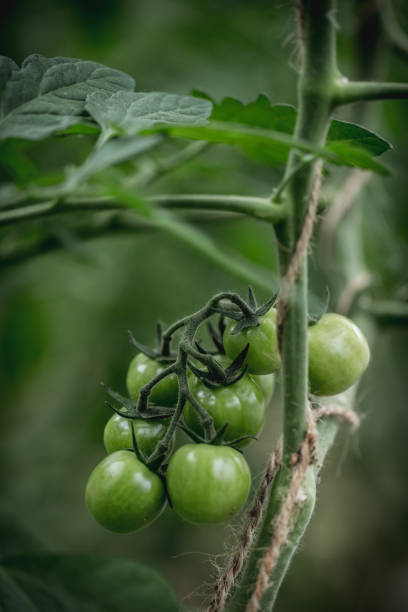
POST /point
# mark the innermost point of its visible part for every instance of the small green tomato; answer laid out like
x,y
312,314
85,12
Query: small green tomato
x,y
123,494
263,355
141,371
117,434
338,354
241,405
207,484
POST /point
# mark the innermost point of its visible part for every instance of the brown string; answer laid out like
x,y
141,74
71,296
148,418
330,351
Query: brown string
x,y
346,414
301,461
227,579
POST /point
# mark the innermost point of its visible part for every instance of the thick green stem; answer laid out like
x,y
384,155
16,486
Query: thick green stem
x,y
315,103
260,208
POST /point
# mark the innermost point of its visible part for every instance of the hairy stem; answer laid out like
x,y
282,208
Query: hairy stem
x,y
360,91
260,208
315,102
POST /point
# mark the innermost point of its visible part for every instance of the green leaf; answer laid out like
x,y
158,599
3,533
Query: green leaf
x,y
81,583
348,155
128,112
259,113
282,118
355,135
84,127
110,154
49,94
272,147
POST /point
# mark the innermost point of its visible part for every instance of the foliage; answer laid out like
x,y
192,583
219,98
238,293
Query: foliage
x,y
94,164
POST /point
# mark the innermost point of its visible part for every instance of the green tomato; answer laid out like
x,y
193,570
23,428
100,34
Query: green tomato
x,y
267,384
338,354
207,484
241,405
117,434
123,494
263,355
141,371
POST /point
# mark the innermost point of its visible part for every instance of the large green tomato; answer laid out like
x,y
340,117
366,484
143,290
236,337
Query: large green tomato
x,y
263,355
123,494
241,405
338,354
117,434
141,371
207,484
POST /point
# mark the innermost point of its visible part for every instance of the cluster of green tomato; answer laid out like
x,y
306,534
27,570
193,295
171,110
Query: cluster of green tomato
x,y
209,483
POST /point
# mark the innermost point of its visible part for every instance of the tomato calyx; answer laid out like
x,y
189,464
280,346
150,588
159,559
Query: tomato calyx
x,y
150,411
218,376
314,317
216,335
218,439
155,466
160,354
252,318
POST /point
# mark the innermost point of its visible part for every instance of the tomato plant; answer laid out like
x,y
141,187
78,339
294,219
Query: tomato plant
x,y
207,484
124,141
123,494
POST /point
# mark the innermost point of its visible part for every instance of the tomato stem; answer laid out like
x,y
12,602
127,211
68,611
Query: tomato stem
x,y
315,91
220,303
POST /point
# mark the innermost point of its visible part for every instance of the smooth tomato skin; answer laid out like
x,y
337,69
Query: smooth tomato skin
x,y
241,405
123,494
338,354
267,384
141,371
207,484
117,434
263,355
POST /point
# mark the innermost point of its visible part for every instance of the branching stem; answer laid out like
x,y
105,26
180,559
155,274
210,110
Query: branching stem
x,y
346,92
186,349
260,208
315,104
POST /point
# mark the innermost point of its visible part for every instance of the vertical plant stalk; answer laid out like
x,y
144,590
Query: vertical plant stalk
x,y
315,93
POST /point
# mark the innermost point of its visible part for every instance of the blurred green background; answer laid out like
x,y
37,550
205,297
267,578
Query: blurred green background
x,y
64,315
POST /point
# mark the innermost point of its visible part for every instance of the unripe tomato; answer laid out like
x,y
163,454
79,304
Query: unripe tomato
x,y
338,354
263,355
267,384
117,434
123,494
141,371
241,405
207,484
